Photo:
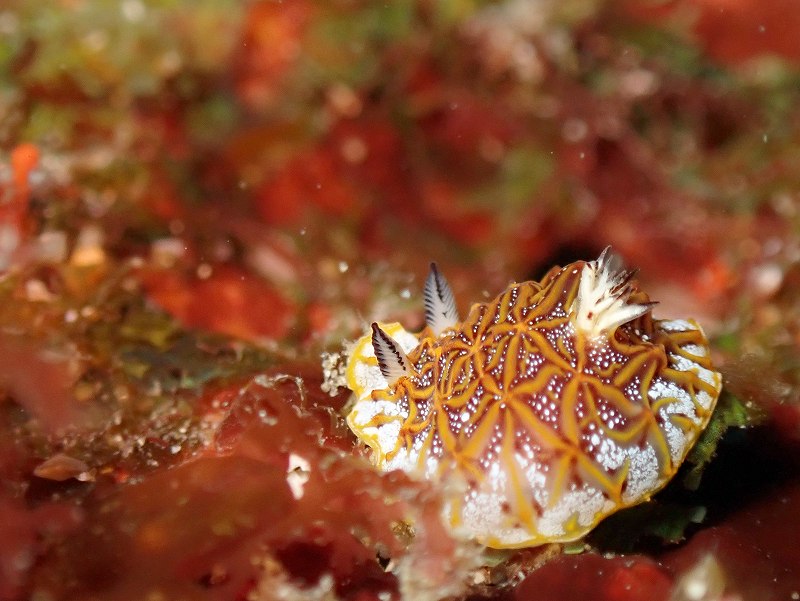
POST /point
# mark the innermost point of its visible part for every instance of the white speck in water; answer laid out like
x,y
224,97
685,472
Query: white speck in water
x,y
9,23
133,10
343,266
204,271
574,130
96,40
767,278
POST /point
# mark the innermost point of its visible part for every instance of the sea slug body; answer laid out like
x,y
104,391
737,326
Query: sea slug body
x,y
545,410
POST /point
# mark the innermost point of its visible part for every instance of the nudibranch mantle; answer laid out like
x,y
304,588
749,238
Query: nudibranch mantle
x,y
542,412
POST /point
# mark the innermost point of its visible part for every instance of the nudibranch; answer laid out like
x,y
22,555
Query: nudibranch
x,y
542,412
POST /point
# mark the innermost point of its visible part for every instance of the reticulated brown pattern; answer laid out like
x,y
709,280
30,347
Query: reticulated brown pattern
x,y
518,405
